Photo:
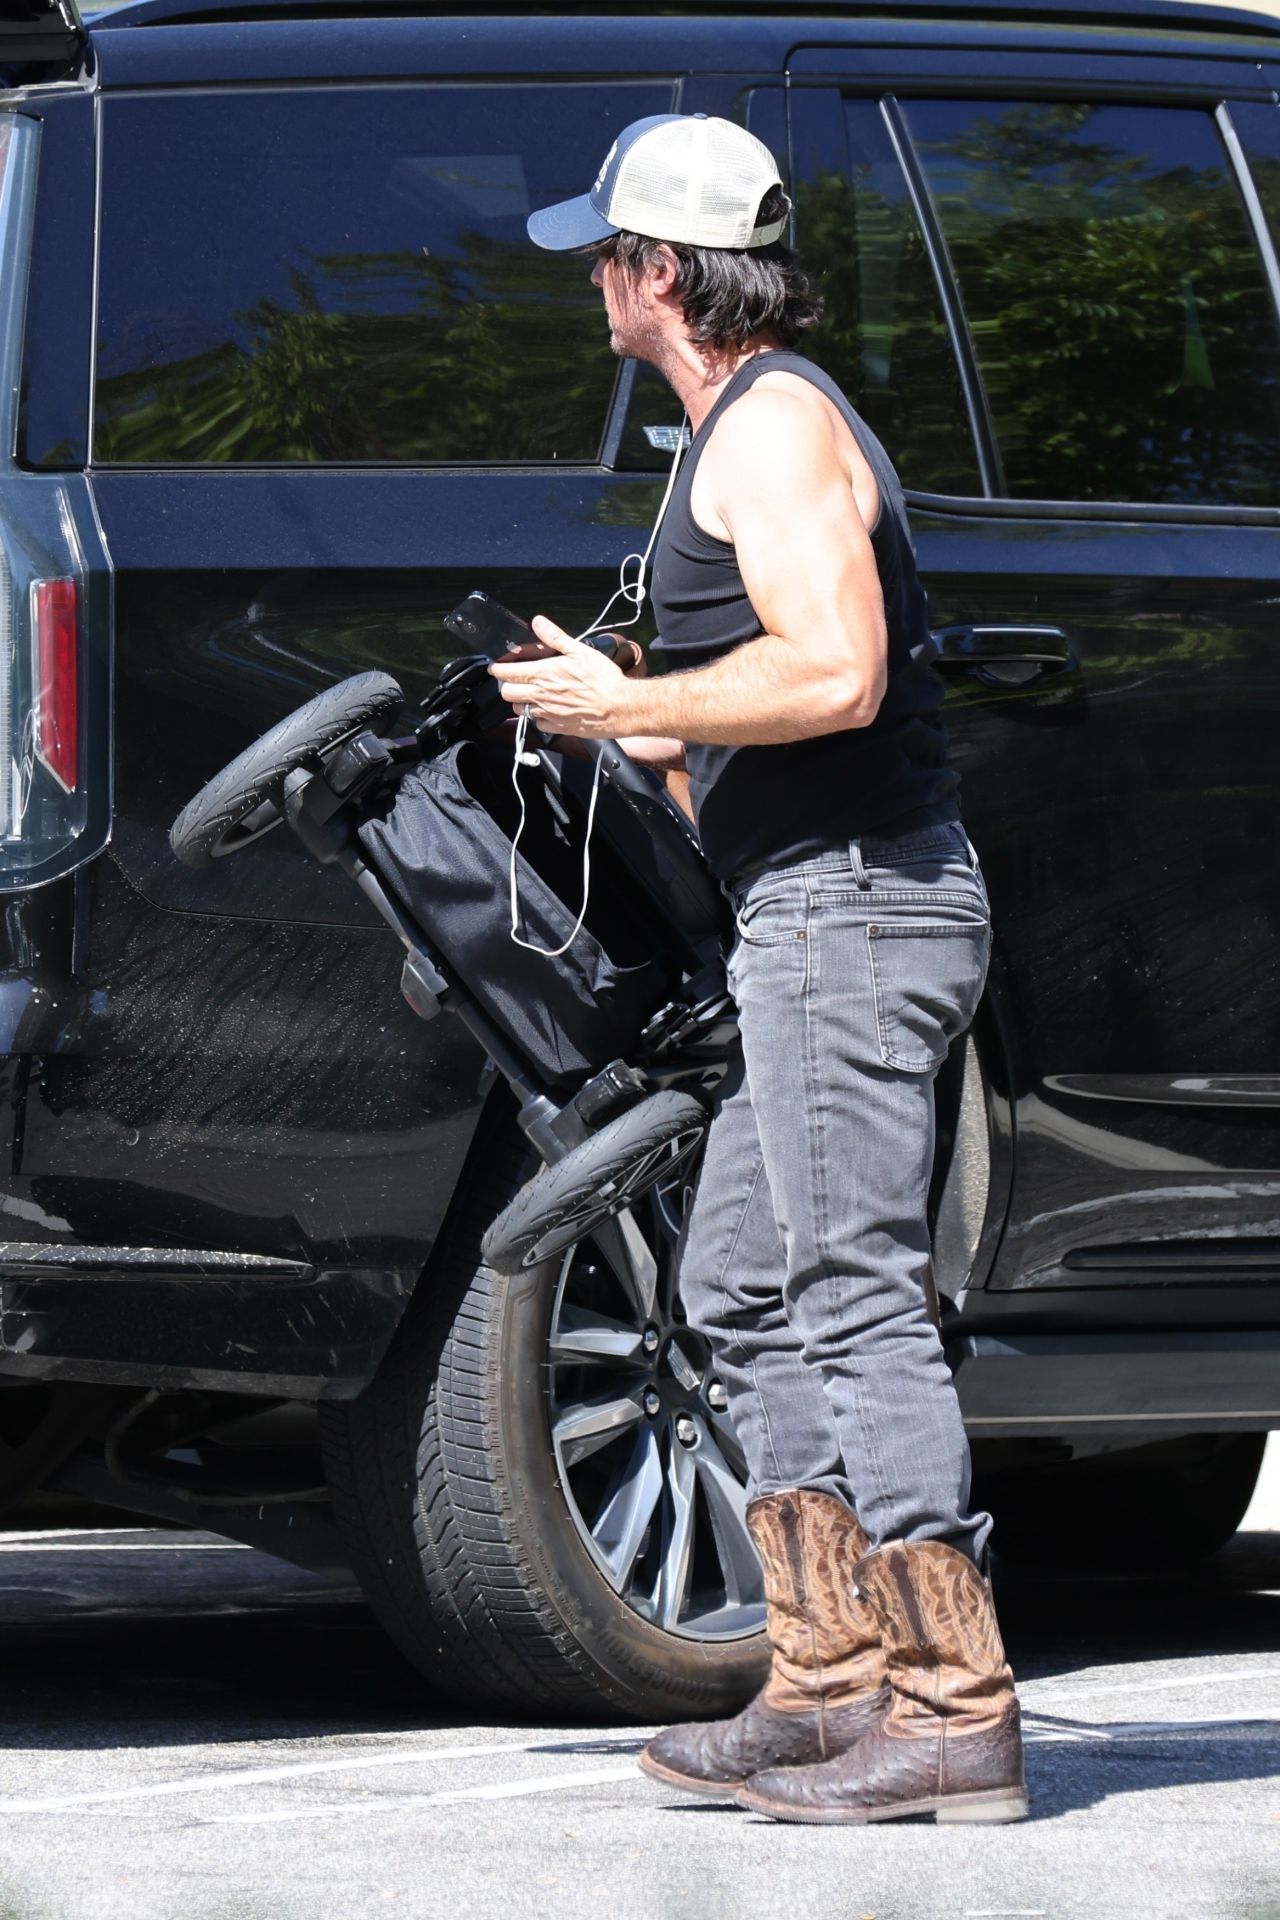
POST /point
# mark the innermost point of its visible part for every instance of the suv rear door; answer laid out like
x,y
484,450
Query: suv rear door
x,y
1059,312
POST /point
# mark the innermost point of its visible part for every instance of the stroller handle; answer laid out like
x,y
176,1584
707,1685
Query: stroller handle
x,y
664,858
618,647
644,795
621,770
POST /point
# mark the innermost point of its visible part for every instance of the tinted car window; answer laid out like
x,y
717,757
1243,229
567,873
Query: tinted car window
x,y
883,335
654,418
1257,128
1118,309
342,274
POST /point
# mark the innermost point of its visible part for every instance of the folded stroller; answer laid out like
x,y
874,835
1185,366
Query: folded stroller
x,y
612,1047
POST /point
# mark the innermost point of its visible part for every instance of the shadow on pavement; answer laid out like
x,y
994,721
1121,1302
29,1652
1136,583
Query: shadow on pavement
x,y
1055,1624
134,1648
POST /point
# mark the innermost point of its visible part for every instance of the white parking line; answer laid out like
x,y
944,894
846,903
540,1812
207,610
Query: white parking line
x,y
1043,1693
213,1782
110,1542
627,1770
624,1770
128,1546
1144,1729
614,1770
540,1783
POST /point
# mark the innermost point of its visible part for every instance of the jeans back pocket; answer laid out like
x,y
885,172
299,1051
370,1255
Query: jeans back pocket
x,y
927,979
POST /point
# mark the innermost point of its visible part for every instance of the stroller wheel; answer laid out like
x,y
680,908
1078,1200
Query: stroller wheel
x,y
243,802
602,1176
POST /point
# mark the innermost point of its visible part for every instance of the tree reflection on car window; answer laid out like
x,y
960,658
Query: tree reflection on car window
x,y
1120,317
336,276
883,335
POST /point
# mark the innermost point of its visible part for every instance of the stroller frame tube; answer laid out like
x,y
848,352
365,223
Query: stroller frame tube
x,y
545,1124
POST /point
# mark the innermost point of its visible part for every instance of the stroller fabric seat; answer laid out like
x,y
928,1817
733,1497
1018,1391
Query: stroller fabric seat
x,y
442,844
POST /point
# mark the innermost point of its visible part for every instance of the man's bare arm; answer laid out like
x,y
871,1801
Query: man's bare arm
x,y
664,756
784,496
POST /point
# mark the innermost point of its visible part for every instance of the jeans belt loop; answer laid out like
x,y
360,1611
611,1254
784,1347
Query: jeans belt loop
x,y
856,863
974,860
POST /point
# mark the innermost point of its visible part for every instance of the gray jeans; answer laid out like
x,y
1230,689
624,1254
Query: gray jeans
x,y
806,1249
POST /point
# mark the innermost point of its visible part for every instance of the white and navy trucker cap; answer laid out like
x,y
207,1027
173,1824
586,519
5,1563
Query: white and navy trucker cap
x,y
675,176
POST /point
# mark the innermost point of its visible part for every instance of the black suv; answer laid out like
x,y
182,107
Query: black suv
x,y
281,379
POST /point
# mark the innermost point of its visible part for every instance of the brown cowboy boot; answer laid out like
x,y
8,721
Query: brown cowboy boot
x,y
950,1743
826,1686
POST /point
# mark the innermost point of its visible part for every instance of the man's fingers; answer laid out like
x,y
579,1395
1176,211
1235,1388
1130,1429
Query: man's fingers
x,y
553,636
550,636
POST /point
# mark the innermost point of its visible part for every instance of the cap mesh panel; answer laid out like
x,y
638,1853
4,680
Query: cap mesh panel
x,y
698,182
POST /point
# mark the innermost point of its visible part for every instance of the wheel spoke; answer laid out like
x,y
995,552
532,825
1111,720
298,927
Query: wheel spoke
x,y
724,1437
664,1520
726,1502
585,1338
677,1539
585,1426
624,1520
667,1206
670,1202
629,1258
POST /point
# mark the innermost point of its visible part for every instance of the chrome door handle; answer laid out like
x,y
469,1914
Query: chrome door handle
x,y
1004,656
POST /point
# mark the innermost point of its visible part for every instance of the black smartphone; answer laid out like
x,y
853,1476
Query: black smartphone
x,y
486,626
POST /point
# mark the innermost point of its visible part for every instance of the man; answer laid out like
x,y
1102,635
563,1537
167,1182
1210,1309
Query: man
x,y
807,715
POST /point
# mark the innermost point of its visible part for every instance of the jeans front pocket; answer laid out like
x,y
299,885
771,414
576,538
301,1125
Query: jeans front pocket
x,y
771,916
927,979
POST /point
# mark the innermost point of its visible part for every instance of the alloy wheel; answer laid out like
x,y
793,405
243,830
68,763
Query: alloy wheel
x,y
651,1471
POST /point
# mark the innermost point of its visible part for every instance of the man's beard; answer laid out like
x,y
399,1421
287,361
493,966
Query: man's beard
x,y
631,339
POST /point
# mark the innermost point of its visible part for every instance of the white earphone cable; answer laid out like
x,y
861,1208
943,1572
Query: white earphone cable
x,y
634,593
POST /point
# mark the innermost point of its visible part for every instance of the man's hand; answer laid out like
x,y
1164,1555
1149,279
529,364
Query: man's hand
x,y
579,692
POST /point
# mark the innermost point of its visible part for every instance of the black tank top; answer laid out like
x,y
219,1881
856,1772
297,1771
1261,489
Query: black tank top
x,y
773,805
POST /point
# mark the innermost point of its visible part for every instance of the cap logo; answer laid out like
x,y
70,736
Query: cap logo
x,y
604,169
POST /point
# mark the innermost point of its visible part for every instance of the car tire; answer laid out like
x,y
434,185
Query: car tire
x,y
216,823
1145,1510
448,1493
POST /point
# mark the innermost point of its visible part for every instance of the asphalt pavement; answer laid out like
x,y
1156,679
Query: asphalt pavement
x,y
191,1729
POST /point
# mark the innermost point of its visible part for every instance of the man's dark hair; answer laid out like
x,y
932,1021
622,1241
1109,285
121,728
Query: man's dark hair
x,y
728,296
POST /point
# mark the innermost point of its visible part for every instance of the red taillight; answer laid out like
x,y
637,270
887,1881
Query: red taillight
x,y
57,705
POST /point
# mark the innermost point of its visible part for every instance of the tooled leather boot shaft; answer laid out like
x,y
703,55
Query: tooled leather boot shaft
x,y
945,1656
950,1743
825,1639
826,1685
